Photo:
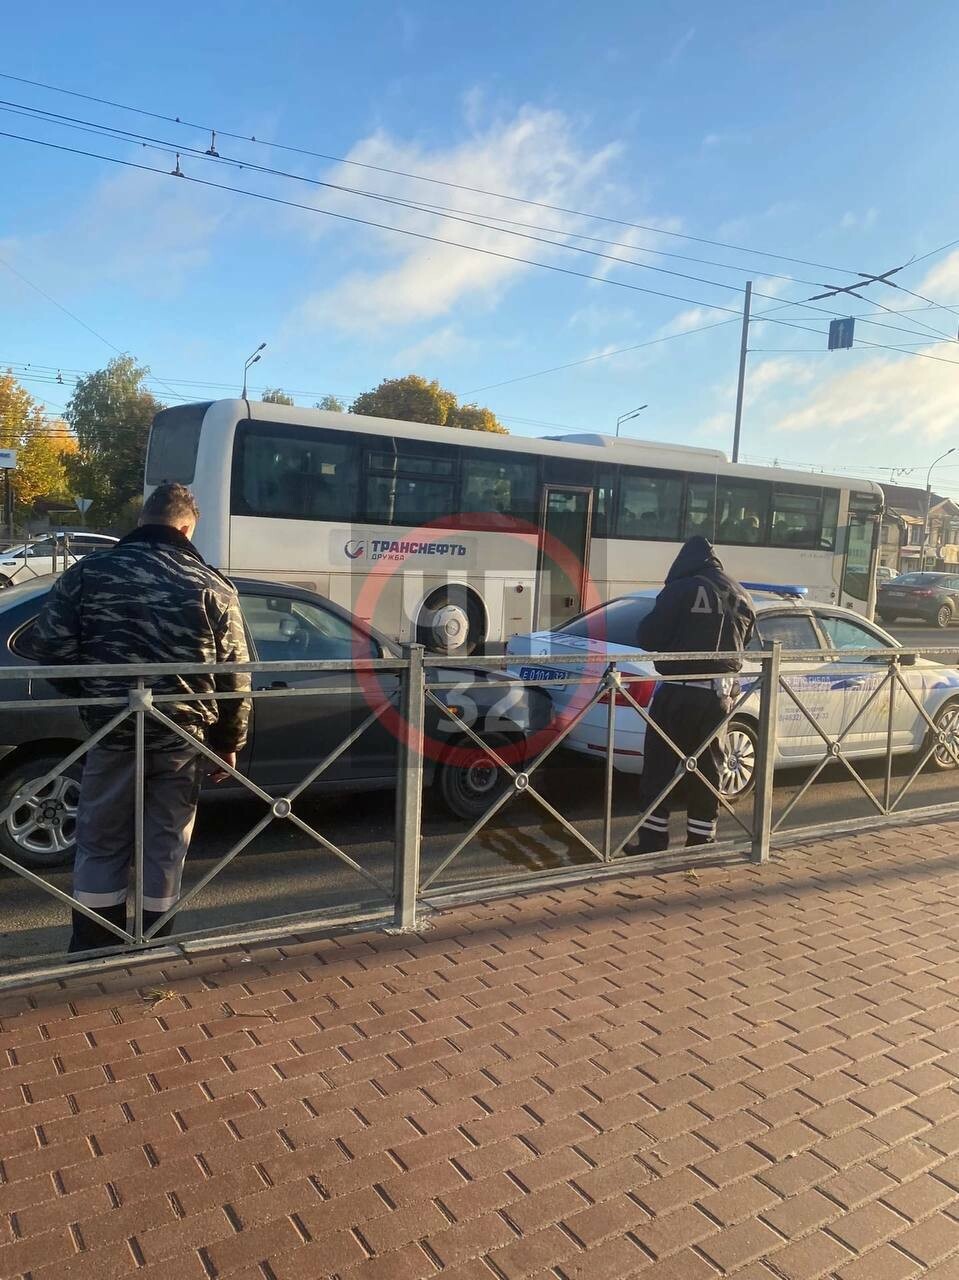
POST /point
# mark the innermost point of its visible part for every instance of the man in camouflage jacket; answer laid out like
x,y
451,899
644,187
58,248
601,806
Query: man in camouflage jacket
x,y
151,598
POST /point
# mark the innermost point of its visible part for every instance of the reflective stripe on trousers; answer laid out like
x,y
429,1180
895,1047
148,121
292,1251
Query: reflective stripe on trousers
x,y
106,832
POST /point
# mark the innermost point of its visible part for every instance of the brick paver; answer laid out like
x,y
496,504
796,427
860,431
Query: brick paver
x,y
751,1074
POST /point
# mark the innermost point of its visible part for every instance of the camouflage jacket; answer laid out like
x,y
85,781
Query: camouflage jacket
x,y
151,598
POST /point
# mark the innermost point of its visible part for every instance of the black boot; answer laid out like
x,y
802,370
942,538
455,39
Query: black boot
x,y
649,839
151,917
88,935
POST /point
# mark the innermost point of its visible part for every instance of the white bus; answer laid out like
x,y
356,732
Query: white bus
x,y
458,538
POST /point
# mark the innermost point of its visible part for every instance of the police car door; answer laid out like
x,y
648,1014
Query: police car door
x,y
866,717
811,682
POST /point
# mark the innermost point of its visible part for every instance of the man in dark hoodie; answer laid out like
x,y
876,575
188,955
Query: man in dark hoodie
x,y
700,609
151,598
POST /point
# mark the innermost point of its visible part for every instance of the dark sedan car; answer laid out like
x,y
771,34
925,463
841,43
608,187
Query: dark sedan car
x,y
289,735
933,597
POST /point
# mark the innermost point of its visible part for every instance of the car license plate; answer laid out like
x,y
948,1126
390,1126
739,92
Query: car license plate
x,y
541,673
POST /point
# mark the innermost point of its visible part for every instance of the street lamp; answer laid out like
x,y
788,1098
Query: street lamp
x,y
250,361
925,523
625,417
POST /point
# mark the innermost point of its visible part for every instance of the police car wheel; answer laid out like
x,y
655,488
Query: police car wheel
x,y
947,726
41,829
470,783
737,776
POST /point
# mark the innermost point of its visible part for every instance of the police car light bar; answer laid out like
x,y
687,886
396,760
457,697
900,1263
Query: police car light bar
x,y
778,589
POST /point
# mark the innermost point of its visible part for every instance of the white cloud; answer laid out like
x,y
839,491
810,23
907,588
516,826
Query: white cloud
x,y
716,426
636,246
942,281
741,227
445,342
713,140
595,318
764,375
680,47
534,152
884,396
140,230
859,221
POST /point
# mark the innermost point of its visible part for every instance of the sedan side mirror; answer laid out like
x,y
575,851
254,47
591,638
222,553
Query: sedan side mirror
x,y
907,660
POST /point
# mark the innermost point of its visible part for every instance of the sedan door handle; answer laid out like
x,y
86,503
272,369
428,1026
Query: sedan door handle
x,y
276,684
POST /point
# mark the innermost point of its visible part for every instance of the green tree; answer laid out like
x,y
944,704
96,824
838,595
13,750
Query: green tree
x,y
413,399
332,404
275,395
472,418
41,445
110,412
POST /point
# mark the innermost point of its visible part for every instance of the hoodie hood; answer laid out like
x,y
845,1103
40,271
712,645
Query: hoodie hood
x,y
696,555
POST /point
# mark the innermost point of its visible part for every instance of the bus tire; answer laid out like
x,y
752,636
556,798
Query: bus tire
x,y
450,622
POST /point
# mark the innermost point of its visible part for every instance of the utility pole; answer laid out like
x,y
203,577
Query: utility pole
x,y
742,370
925,523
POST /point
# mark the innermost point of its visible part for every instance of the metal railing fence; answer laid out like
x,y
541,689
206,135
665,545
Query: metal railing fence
x,y
840,707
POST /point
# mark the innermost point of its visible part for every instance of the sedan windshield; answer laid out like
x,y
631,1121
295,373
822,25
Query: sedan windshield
x,y
613,623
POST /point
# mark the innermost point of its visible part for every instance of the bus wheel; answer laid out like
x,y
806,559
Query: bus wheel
x,y
451,622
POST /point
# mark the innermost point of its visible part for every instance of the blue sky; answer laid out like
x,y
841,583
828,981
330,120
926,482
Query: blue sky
x,y
819,131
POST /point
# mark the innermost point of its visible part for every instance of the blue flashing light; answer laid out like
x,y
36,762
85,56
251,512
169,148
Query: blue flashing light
x,y
778,589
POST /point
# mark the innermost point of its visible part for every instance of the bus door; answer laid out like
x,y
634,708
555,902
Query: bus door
x,y
563,554
862,548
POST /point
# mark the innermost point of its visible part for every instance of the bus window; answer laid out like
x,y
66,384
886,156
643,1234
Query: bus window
x,y
741,512
404,500
174,441
700,508
830,520
603,502
796,517
294,473
498,483
649,505
409,483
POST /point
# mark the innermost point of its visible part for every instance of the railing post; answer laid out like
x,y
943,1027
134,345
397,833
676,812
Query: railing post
x,y
614,683
890,730
768,724
140,699
409,791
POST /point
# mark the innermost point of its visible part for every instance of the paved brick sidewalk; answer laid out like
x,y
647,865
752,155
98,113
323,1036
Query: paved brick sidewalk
x,y
748,1074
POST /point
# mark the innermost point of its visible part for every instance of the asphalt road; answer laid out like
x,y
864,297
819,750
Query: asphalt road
x,y
917,635
285,871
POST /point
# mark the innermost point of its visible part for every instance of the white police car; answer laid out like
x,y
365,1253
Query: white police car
x,y
835,689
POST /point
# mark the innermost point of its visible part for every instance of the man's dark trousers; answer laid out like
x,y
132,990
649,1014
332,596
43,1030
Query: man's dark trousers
x,y
106,837
689,713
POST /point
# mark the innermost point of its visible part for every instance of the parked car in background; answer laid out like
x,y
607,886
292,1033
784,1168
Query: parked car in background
x,y
931,597
884,574
289,735
836,687
48,554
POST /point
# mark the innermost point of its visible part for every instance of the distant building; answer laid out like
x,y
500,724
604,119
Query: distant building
x,y
902,529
